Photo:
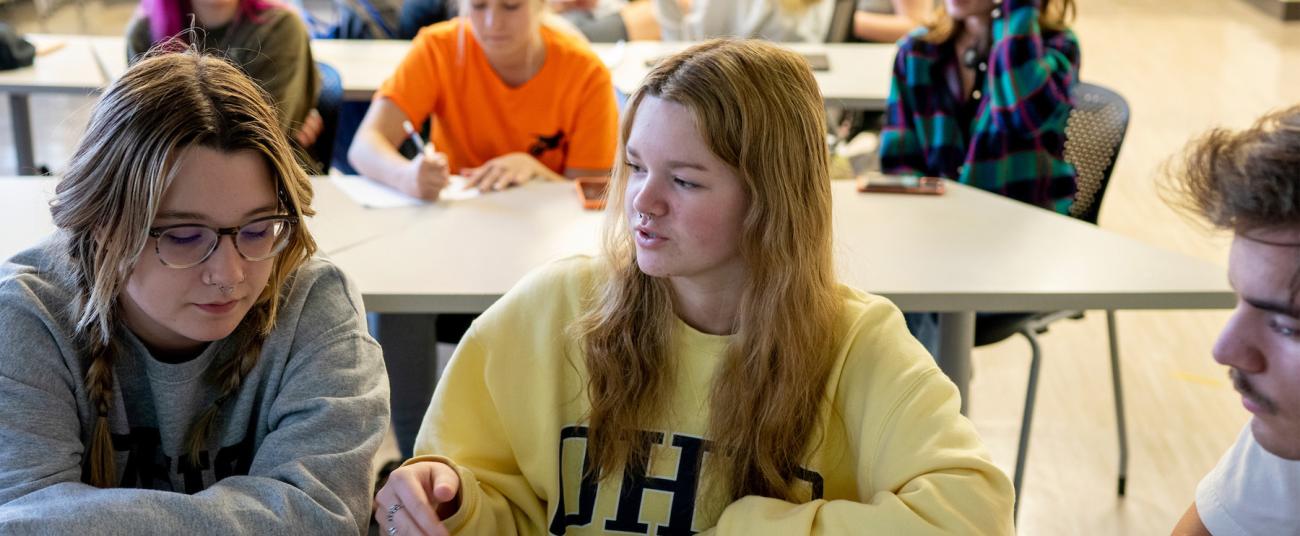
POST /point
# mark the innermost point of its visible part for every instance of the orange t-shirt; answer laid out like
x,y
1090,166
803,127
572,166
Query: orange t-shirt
x,y
564,116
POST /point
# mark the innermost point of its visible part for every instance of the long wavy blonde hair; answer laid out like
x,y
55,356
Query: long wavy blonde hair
x,y
760,111
1053,15
106,201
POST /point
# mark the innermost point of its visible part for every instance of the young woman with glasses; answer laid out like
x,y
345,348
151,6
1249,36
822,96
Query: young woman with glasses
x,y
174,358
707,373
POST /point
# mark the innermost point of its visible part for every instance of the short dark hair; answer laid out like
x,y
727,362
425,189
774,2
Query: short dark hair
x,y
1243,180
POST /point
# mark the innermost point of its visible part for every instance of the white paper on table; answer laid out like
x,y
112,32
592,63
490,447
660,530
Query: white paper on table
x,y
612,57
371,194
457,189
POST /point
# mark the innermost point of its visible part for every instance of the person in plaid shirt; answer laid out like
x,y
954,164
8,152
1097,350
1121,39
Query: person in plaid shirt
x,y
981,96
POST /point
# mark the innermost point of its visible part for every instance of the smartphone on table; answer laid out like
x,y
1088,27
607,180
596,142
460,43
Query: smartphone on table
x,y
900,184
591,191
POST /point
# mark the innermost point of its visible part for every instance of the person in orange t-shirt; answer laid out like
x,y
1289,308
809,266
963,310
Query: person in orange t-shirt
x,y
511,100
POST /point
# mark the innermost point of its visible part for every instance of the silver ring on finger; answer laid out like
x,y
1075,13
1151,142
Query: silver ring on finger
x,y
392,529
392,510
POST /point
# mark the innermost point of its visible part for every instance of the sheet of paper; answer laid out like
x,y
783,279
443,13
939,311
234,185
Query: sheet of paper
x,y
613,56
371,194
457,189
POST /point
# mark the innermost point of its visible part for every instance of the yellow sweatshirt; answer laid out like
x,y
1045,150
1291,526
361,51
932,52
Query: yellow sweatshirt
x,y
896,458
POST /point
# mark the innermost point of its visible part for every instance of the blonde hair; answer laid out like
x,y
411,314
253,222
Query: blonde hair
x,y
107,199
792,7
759,110
538,9
1053,15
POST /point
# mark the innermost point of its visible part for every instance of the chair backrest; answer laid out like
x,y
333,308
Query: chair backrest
x,y
1093,135
841,26
328,104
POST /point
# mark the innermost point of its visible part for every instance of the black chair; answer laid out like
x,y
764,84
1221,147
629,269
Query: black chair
x,y
840,29
1094,133
328,104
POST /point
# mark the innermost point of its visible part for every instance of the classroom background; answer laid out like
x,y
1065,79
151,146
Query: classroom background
x,y
1184,66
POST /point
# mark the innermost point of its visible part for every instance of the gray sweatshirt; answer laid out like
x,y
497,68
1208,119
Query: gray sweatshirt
x,y
291,453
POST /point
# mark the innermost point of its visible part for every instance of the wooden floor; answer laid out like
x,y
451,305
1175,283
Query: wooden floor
x,y
1184,66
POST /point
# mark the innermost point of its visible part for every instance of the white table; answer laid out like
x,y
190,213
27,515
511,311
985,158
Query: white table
x,y
955,254
69,67
363,64
110,52
967,250
858,78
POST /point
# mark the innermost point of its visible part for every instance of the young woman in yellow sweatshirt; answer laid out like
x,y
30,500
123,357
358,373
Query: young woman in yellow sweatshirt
x,y
707,373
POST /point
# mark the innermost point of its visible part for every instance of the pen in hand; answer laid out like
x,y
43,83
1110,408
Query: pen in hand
x,y
431,174
414,135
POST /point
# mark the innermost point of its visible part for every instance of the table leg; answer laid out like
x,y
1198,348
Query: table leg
x,y
411,356
956,337
21,117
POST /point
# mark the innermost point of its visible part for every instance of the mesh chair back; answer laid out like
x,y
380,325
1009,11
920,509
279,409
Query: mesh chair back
x,y
1093,135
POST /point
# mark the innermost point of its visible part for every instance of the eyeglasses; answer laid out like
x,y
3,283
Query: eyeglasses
x,y
186,245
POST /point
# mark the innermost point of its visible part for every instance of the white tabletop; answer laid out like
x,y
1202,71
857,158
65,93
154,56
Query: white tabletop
x,y
962,252
68,67
859,73
971,250
460,256
967,250
363,64
24,212
858,77
110,52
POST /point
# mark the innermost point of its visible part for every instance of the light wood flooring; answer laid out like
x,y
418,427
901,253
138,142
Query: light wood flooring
x,y
1185,66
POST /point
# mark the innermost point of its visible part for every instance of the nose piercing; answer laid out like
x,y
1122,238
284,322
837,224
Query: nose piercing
x,y
226,291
